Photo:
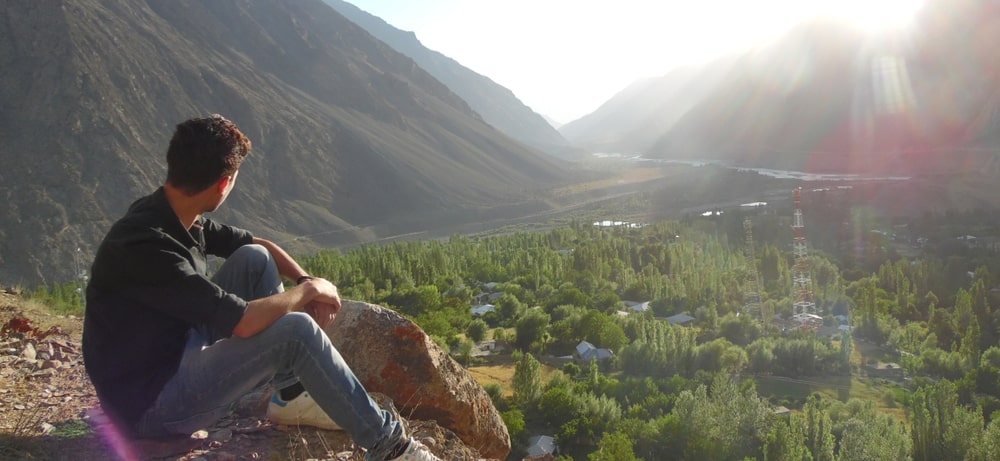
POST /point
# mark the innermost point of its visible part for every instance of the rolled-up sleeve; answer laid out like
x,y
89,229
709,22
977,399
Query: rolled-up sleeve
x,y
222,240
194,299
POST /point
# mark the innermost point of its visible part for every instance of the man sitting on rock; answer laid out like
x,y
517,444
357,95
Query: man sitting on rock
x,y
169,349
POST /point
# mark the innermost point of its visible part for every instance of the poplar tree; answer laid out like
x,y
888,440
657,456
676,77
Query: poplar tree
x,y
527,381
819,436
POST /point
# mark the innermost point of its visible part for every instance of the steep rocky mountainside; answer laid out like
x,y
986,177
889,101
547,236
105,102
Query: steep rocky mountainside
x,y
498,105
828,97
352,140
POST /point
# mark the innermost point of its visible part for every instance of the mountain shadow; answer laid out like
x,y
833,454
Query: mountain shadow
x,y
353,141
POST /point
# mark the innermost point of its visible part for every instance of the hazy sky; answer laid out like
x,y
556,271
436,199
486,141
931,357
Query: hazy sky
x,y
564,58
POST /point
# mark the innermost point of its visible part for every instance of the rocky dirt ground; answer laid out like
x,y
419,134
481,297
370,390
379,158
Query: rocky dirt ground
x,y
49,411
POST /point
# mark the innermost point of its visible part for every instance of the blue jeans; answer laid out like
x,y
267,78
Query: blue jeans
x,y
214,374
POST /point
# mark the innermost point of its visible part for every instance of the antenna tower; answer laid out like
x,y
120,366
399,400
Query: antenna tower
x,y
804,307
751,287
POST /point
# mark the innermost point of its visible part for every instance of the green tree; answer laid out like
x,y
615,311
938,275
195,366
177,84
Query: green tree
x,y
571,369
531,329
495,391
602,330
436,323
989,446
465,349
786,441
731,423
476,330
969,348
846,349
760,356
514,420
872,436
599,414
558,406
940,427
940,324
741,330
819,435
570,294
527,381
509,308
428,298
614,446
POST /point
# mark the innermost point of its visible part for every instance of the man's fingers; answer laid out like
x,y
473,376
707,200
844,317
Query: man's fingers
x,y
323,313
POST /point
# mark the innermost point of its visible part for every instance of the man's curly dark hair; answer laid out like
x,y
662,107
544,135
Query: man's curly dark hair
x,y
203,151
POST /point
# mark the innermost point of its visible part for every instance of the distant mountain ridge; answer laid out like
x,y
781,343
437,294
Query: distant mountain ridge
x,y
827,98
497,105
637,116
352,140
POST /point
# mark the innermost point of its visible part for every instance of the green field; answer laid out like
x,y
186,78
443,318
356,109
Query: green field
x,y
841,388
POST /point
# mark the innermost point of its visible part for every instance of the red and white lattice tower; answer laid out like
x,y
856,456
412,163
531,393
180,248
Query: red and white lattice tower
x,y
804,307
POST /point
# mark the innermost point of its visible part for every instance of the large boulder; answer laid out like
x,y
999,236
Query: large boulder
x,y
392,355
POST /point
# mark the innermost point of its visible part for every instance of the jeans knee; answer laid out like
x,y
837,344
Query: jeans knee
x,y
300,325
253,254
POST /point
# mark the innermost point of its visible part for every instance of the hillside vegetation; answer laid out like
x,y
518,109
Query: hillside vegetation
x,y
709,391
915,297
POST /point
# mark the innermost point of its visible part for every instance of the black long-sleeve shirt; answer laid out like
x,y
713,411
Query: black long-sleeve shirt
x,y
149,286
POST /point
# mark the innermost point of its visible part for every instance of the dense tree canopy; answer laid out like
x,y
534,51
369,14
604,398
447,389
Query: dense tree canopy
x,y
671,389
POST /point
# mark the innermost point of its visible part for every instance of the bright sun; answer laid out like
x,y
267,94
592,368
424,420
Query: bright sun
x,y
874,15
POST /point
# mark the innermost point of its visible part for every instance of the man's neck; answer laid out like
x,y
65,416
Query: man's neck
x,y
188,208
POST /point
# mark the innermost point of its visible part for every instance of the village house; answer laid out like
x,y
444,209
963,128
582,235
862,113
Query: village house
x,y
586,352
479,311
541,447
681,319
885,370
637,306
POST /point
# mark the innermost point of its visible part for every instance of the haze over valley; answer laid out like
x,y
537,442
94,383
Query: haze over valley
x,y
363,135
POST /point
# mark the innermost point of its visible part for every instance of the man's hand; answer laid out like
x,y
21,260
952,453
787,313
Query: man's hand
x,y
326,292
322,313
262,312
326,304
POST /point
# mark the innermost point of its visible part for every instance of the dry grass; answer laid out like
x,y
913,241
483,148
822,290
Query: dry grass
x,y
22,438
501,370
631,175
501,374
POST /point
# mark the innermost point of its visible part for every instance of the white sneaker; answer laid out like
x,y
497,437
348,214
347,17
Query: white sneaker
x,y
416,452
300,411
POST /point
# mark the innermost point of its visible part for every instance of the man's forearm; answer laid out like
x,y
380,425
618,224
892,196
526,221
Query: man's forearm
x,y
263,312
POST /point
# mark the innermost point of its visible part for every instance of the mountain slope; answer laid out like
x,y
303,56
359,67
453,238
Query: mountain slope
x,y
352,141
636,117
497,105
828,98
791,96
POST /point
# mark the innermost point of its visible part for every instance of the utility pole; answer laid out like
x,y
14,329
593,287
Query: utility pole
x,y
751,287
804,308
80,275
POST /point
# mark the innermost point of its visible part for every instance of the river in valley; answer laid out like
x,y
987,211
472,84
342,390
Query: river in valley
x,y
779,174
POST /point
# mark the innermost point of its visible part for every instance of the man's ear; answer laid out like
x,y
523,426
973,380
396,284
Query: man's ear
x,y
223,183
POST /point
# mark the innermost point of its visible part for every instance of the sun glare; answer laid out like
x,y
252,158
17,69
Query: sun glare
x,y
875,15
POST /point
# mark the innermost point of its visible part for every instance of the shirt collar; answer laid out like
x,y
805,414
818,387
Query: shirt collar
x,y
171,223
